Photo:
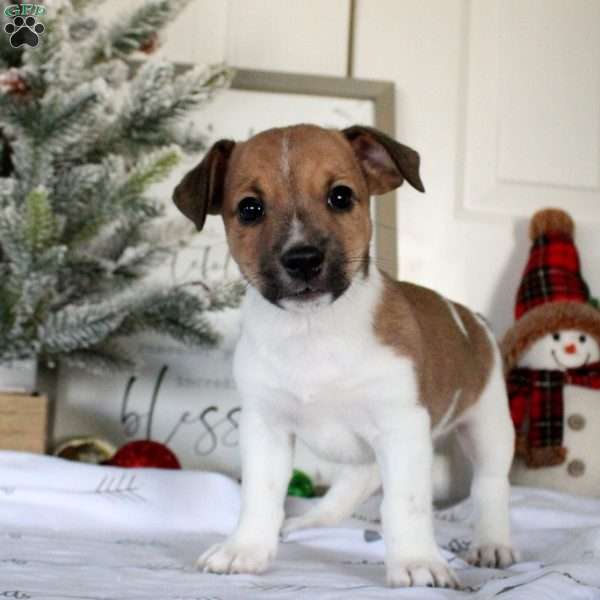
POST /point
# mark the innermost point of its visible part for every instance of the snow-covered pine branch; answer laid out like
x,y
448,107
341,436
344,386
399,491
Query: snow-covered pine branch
x,y
84,136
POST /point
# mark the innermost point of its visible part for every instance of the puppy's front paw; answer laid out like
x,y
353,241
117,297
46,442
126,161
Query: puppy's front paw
x,y
235,557
493,556
421,574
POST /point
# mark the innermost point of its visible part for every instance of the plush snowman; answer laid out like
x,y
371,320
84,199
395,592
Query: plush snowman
x,y
552,355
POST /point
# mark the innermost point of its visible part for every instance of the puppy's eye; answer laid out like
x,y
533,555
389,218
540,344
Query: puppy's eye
x,y
250,210
556,337
340,198
582,339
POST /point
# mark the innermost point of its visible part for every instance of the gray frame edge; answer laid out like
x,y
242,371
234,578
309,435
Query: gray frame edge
x,y
381,93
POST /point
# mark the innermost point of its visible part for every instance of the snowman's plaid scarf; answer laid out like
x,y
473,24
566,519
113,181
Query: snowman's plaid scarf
x,y
536,406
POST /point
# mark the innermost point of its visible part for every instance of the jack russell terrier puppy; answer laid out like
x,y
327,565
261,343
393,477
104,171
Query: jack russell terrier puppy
x,y
364,369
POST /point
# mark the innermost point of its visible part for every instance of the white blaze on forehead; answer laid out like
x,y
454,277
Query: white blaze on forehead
x,y
285,155
295,234
296,231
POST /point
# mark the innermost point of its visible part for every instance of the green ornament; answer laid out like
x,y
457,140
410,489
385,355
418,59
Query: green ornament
x,y
595,303
301,485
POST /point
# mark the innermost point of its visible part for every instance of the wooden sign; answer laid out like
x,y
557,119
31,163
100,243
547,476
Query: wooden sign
x,y
23,422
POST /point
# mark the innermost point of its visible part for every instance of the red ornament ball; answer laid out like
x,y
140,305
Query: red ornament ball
x,y
144,453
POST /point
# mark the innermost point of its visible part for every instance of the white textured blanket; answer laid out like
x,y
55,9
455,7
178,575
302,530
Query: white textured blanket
x,y
78,532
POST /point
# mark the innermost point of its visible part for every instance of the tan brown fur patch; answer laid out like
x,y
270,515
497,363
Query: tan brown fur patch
x,y
417,323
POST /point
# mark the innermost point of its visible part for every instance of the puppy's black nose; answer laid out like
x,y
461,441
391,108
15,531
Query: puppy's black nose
x,y
303,262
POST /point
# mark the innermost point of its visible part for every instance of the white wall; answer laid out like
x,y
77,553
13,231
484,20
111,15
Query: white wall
x,y
500,97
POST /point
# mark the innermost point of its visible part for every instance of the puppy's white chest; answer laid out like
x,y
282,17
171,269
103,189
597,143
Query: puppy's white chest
x,y
325,377
326,387
311,369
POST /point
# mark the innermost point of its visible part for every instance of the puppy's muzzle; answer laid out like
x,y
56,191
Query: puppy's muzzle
x,y
303,263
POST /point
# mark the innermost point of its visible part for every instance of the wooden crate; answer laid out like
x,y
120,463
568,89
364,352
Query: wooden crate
x,y
23,422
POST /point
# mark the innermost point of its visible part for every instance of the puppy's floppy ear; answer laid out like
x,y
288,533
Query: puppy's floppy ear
x,y
385,162
201,190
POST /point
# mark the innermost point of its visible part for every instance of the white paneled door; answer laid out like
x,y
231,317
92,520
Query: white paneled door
x,y
533,107
502,100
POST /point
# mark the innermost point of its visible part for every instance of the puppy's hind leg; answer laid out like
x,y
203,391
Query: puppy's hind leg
x,y
353,485
487,436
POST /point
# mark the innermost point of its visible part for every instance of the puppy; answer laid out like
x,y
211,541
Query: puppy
x,y
365,370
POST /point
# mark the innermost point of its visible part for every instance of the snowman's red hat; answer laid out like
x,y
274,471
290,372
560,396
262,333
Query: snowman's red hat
x,y
553,295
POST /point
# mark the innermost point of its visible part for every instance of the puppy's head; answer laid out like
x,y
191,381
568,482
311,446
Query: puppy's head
x,y
295,203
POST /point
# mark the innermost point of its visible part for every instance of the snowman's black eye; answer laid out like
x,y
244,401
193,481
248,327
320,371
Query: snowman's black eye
x,y
556,337
582,339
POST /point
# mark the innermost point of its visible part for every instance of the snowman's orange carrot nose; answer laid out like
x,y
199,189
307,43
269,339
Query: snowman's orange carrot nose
x,y
571,349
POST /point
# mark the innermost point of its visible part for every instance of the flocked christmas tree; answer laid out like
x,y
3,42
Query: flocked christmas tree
x,y
84,135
